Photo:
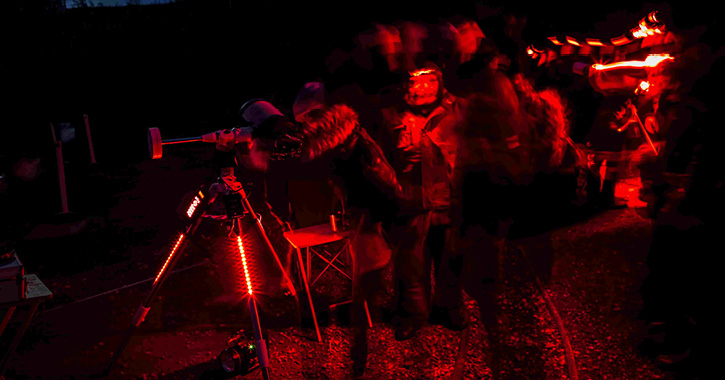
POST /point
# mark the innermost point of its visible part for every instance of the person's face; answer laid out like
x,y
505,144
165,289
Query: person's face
x,y
422,89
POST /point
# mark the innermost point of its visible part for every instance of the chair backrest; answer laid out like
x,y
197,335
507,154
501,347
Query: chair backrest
x,y
313,201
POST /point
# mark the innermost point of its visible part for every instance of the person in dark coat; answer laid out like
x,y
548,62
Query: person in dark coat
x,y
330,138
417,134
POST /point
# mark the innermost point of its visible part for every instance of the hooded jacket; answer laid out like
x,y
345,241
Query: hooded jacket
x,y
333,143
422,149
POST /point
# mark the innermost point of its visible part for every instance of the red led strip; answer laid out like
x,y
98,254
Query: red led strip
x,y
168,259
244,263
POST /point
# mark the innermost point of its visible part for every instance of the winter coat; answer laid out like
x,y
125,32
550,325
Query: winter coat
x,y
490,159
356,162
422,149
336,147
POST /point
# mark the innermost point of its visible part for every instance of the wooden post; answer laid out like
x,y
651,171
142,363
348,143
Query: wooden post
x,y
61,170
90,141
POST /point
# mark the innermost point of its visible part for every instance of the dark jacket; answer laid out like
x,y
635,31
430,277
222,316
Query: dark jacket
x,y
334,146
422,149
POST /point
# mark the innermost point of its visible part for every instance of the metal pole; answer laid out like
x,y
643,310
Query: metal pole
x,y
249,209
144,308
166,269
262,353
644,130
61,170
90,141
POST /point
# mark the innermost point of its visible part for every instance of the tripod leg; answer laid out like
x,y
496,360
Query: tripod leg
x,y
262,353
290,285
257,218
141,312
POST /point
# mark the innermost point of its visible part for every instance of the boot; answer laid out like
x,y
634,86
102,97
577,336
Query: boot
x,y
359,351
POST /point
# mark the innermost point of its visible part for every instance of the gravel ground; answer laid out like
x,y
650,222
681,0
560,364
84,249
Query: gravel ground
x,y
598,265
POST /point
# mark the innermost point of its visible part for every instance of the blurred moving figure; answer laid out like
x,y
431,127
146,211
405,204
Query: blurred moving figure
x,y
417,134
684,193
489,165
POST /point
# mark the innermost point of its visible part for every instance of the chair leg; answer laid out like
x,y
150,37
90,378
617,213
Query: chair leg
x,y
367,312
309,294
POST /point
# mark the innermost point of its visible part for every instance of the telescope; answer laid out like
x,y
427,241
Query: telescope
x,y
237,135
259,117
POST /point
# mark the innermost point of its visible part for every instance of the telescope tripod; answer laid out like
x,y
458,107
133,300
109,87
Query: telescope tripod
x,y
237,206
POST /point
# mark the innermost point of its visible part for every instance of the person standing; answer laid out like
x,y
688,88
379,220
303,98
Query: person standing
x,y
417,133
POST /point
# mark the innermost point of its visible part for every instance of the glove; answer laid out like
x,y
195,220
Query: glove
x,y
288,145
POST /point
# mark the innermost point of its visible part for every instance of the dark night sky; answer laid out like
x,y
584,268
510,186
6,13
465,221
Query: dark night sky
x,y
191,64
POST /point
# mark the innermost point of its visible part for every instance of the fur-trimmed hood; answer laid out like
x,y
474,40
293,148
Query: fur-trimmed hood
x,y
548,116
330,129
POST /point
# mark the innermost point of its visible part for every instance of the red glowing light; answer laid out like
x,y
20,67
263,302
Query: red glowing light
x,y
192,207
555,41
644,31
168,259
621,40
651,61
594,42
572,41
648,26
420,72
644,86
533,52
244,263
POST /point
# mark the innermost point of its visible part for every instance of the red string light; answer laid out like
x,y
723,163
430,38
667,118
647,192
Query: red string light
x,y
168,259
244,264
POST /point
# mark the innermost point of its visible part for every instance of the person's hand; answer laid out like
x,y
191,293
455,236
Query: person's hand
x,y
287,146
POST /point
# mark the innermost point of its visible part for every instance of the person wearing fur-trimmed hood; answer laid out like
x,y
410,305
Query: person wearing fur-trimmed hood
x,y
329,136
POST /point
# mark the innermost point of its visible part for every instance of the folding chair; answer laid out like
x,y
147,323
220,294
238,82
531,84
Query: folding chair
x,y
313,239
